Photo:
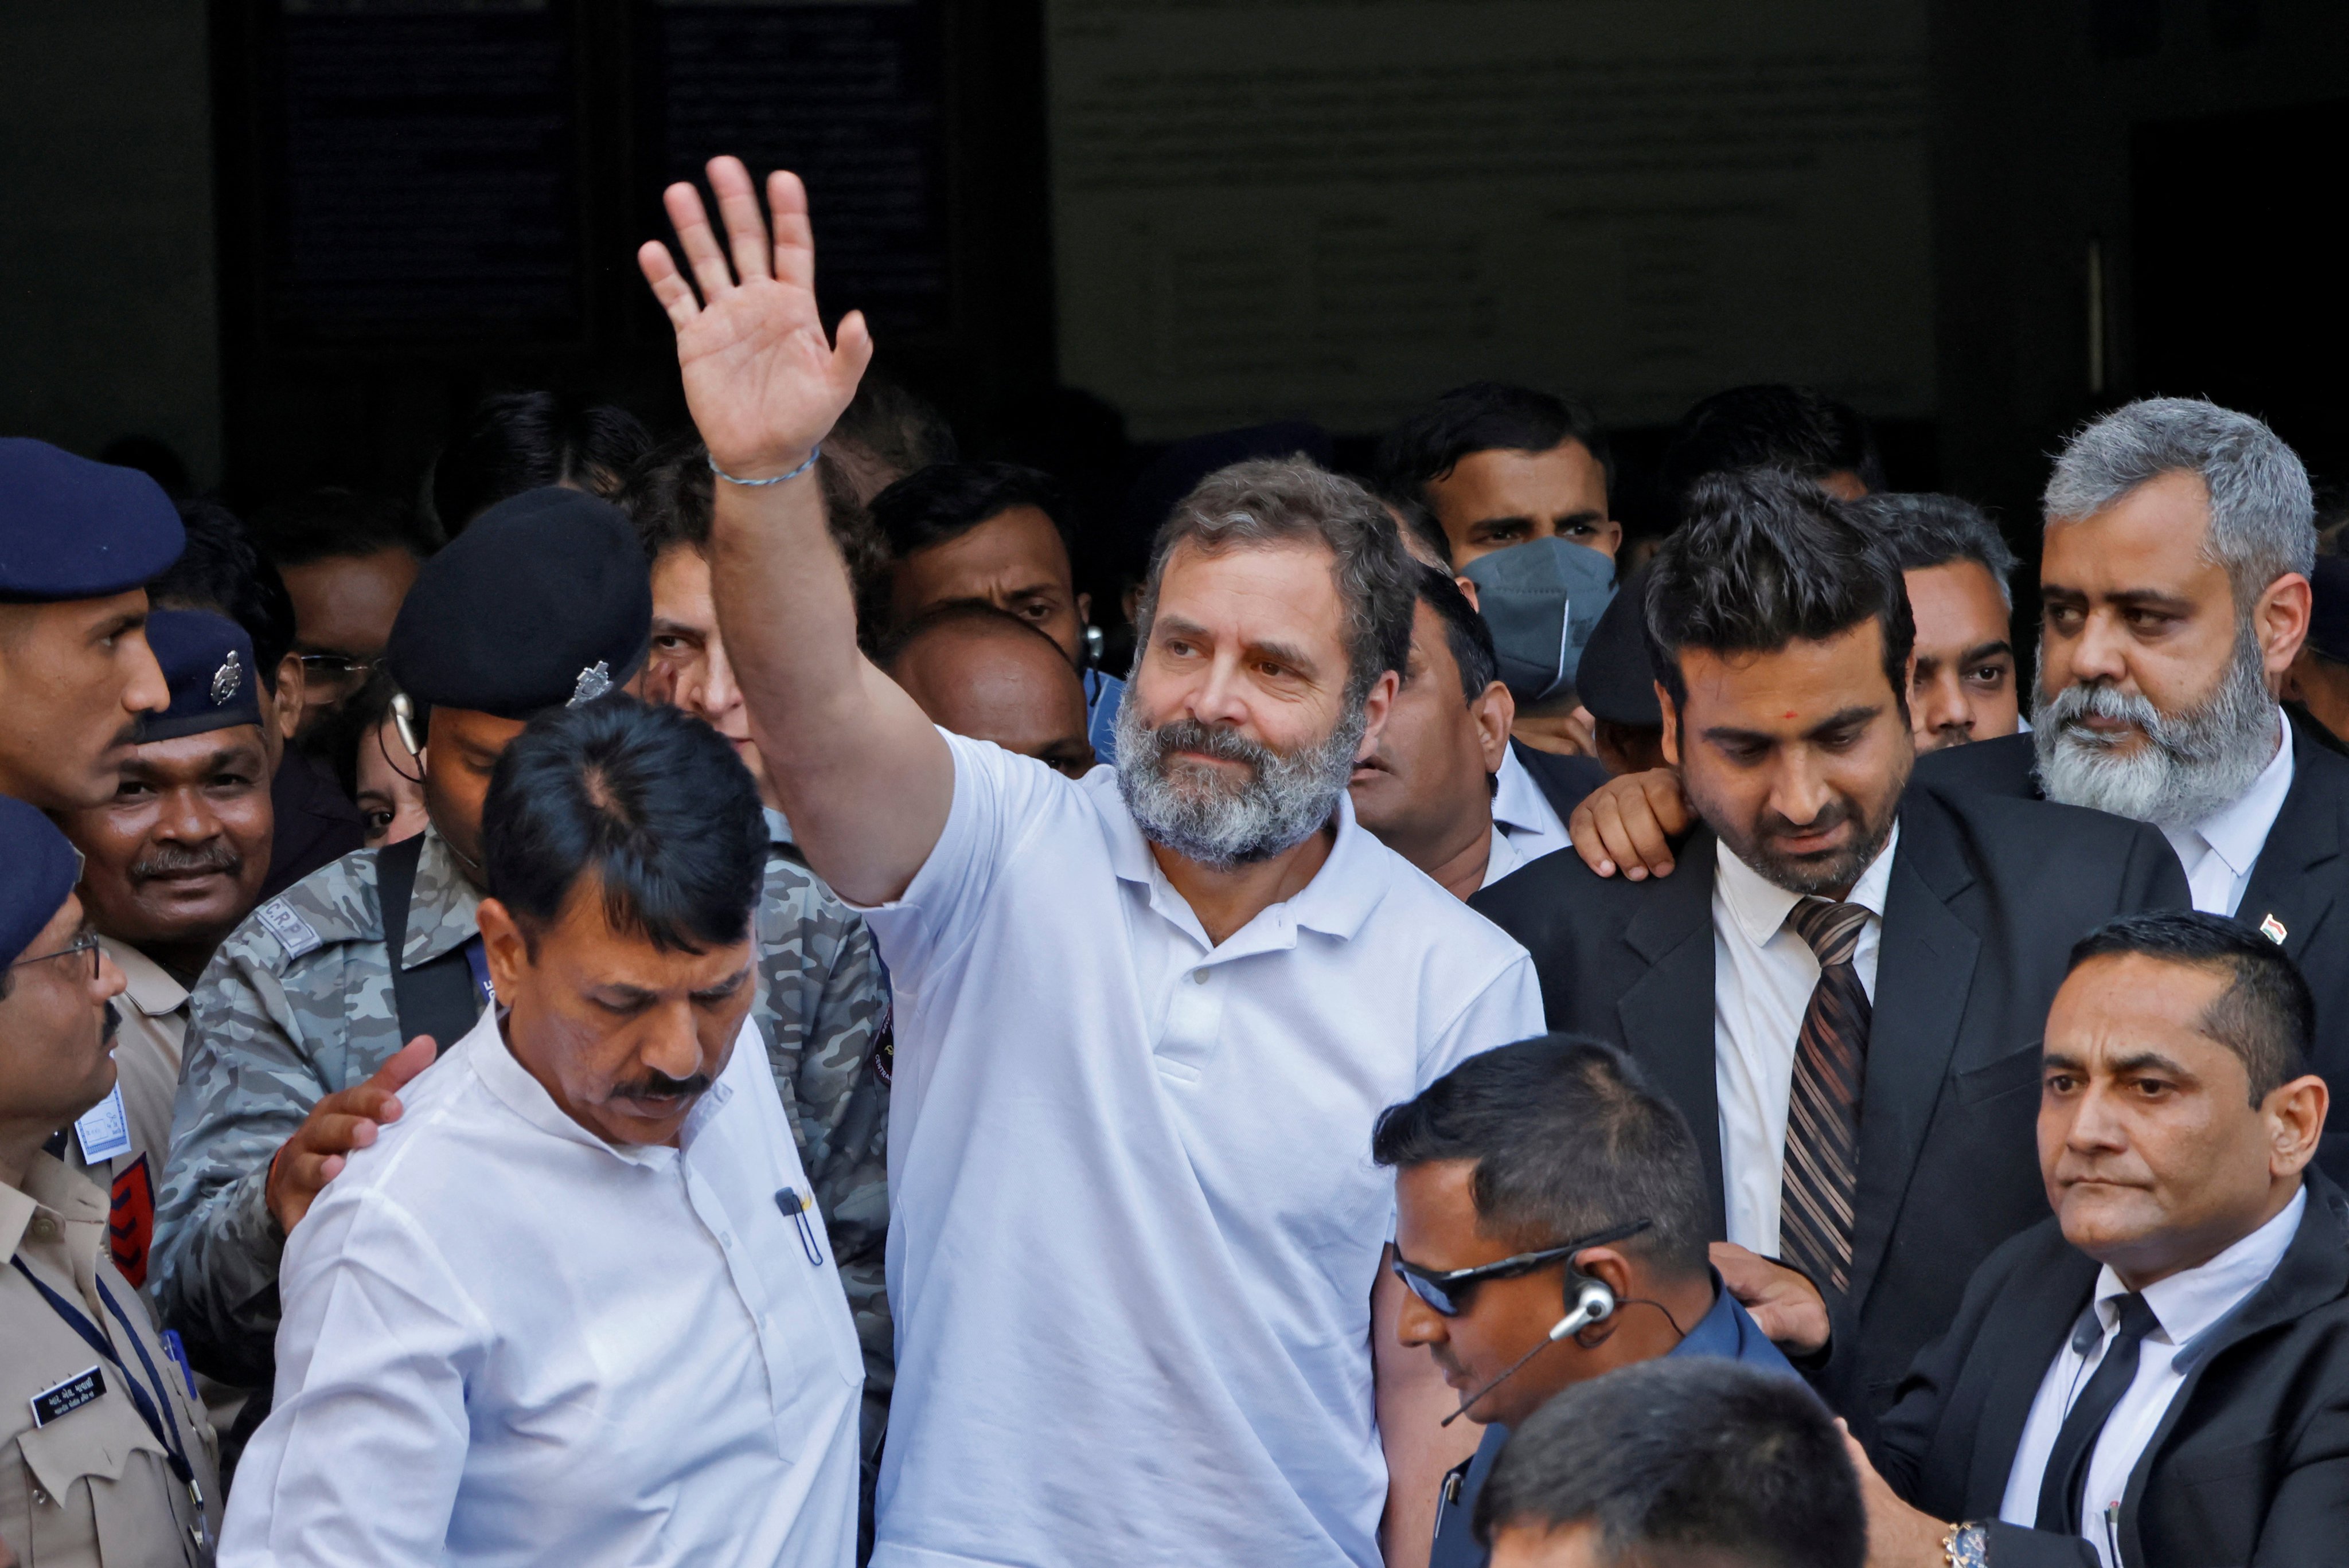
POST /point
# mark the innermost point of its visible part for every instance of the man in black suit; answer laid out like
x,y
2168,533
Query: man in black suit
x,y
2159,1374
2176,597
1849,977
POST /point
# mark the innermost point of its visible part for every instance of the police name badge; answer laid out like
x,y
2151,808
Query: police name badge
x,y
68,1397
104,1129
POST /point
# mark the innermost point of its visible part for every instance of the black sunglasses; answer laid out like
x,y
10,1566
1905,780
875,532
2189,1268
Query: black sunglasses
x,y
1448,1292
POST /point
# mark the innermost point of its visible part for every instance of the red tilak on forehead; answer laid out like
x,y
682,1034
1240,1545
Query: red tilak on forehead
x,y
1790,713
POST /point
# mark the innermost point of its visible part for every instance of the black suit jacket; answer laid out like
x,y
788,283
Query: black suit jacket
x,y
1986,898
2250,1464
1564,780
2301,882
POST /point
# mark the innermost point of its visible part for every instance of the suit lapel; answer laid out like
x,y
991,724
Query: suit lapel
x,y
2306,834
2315,1270
1924,969
1666,1014
2018,1345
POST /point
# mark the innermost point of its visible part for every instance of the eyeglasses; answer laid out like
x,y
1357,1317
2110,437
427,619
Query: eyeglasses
x,y
334,670
1447,1292
86,943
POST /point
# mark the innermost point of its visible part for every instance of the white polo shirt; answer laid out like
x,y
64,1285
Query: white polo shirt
x,y
509,1342
1134,1218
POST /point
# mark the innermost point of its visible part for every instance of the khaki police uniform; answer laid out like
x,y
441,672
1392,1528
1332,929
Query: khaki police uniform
x,y
87,1479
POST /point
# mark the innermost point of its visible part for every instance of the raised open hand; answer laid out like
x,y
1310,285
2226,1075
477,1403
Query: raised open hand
x,y
762,380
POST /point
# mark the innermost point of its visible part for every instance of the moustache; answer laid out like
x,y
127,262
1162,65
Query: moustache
x,y
1223,745
112,1026
660,1086
2069,708
217,857
1835,814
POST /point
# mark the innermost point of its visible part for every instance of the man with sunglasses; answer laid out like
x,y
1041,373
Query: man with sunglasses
x,y
106,1457
172,865
1551,1224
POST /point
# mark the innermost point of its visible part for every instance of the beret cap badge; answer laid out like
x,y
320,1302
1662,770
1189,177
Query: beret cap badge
x,y
594,681
227,678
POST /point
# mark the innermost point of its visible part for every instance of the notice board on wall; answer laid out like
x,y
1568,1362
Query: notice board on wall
x,y
1337,208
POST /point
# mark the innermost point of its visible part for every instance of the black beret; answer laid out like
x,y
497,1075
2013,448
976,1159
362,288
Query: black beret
x,y
207,662
2328,619
1616,681
38,869
73,528
544,599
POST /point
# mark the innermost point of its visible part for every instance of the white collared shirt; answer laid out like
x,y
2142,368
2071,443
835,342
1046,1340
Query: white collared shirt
x,y
1501,857
1134,1224
2219,850
1522,814
1762,976
2184,1304
507,1341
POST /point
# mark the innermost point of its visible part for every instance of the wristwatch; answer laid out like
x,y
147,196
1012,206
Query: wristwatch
x,y
1966,1546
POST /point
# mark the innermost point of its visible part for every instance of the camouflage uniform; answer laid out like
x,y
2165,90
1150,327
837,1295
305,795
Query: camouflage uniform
x,y
298,1004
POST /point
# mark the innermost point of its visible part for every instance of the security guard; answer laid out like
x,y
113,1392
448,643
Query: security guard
x,y
299,1022
108,1459
194,800
78,541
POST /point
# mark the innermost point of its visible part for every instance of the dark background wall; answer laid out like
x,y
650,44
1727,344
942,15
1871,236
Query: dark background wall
x,y
295,239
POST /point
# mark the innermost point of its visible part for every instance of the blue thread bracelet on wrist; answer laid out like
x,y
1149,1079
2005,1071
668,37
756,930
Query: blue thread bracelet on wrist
x,y
814,453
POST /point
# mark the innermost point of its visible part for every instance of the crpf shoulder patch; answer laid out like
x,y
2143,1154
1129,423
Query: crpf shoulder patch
x,y
292,932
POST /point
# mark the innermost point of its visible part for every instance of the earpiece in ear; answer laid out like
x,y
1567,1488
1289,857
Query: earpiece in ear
x,y
1593,1302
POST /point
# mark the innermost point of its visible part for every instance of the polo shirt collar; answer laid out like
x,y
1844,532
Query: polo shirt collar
x,y
150,986
1761,906
1336,902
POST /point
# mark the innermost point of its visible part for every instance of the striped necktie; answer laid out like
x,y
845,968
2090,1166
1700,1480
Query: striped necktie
x,y
1822,1164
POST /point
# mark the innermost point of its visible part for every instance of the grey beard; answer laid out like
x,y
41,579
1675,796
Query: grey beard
x,y
2192,764
1288,797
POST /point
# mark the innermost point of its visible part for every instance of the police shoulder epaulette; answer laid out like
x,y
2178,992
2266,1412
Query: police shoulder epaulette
x,y
294,933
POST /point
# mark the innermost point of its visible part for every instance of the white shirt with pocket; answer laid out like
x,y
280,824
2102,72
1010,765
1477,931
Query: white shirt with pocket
x,y
509,1342
1134,1224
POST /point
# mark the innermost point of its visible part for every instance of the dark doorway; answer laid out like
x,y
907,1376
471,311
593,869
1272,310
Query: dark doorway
x,y
2239,297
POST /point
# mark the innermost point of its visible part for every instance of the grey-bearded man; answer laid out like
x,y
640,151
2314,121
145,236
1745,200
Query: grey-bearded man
x,y
1143,1020
2174,591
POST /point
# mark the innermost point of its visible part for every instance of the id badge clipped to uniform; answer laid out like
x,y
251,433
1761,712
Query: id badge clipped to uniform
x,y
104,1130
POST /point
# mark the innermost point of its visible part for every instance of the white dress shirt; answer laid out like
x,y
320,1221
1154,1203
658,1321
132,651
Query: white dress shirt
x,y
1522,814
1134,1224
507,1341
2219,850
2184,1304
1762,976
1501,857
